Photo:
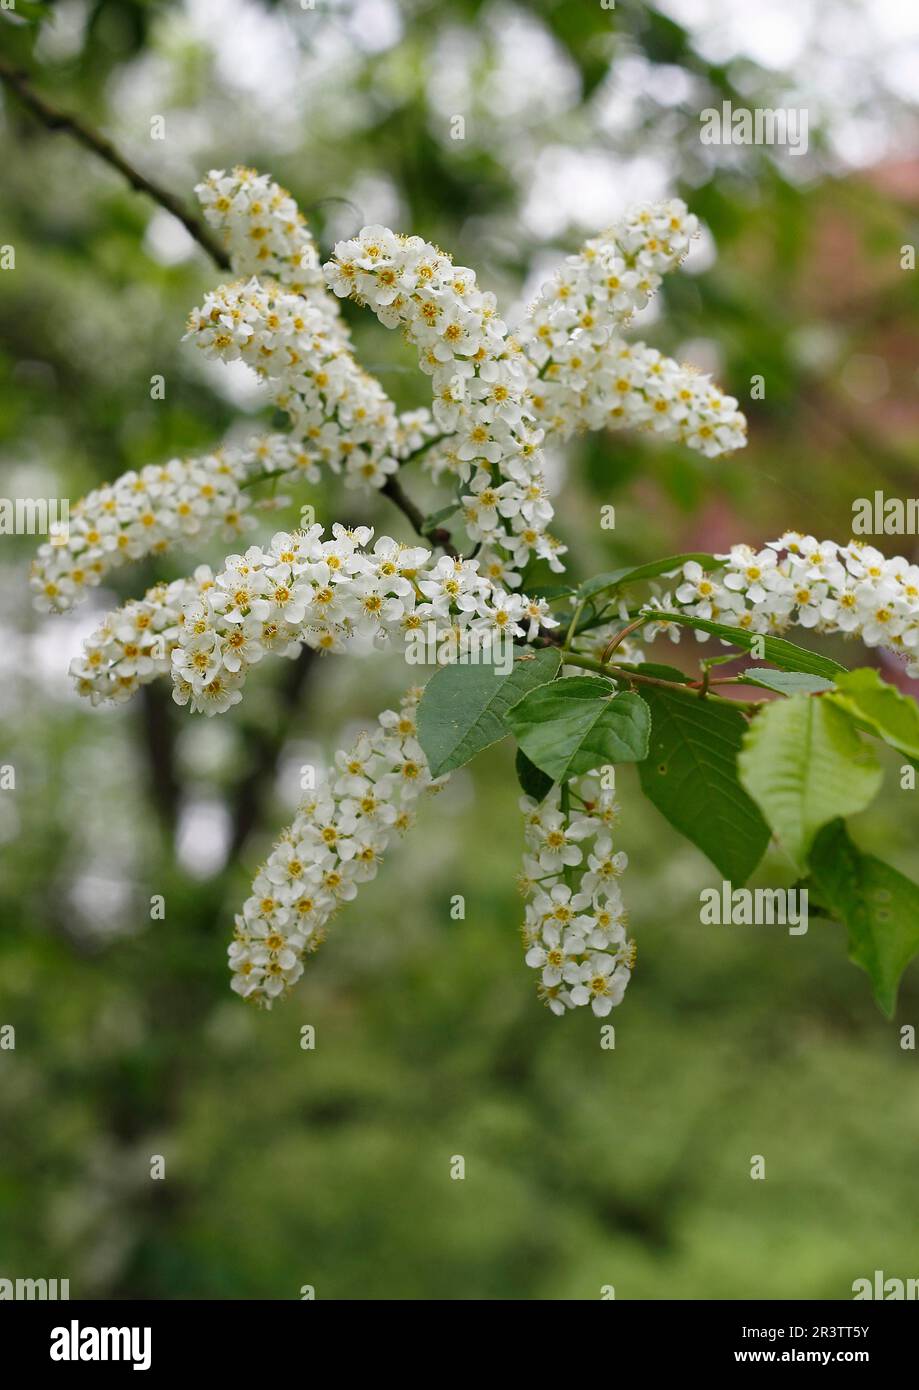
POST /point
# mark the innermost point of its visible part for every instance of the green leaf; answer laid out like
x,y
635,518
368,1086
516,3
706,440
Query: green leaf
x,y
878,906
775,649
804,765
710,662
661,672
463,707
435,519
690,775
552,592
575,725
615,579
786,682
531,778
894,717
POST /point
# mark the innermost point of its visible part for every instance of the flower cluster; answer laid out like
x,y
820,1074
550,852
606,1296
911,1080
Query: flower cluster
x,y
342,416
620,385
494,399
146,513
479,381
134,644
142,513
335,844
303,589
587,376
613,275
575,924
798,581
263,230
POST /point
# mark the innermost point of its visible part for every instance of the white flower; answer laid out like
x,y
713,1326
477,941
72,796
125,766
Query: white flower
x,y
557,957
602,984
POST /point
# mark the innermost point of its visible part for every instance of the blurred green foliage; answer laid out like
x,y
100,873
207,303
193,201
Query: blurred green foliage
x,y
285,1167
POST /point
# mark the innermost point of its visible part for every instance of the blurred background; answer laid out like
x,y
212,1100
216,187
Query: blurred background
x,y
584,1167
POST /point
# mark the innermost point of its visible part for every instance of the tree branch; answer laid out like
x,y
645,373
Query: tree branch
x,y
396,493
55,119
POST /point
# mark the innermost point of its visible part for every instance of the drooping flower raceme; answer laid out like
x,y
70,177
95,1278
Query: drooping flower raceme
x,y
479,379
575,924
621,385
133,645
336,843
296,336
303,589
798,581
264,232
588,376
147,512
142,513
342,416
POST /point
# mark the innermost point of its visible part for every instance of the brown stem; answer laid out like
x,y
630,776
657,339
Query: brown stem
x,y
55,119
621,636
396,493
587,663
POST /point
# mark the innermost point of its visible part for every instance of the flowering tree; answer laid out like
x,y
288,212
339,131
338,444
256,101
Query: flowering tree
x,y
562,669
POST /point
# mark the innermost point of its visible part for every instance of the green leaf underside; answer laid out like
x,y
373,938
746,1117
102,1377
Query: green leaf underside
x,y
661,672
463,707
878,906
786,682
631,574
882,708
804,764
531,778
690,775
578,724
775,649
